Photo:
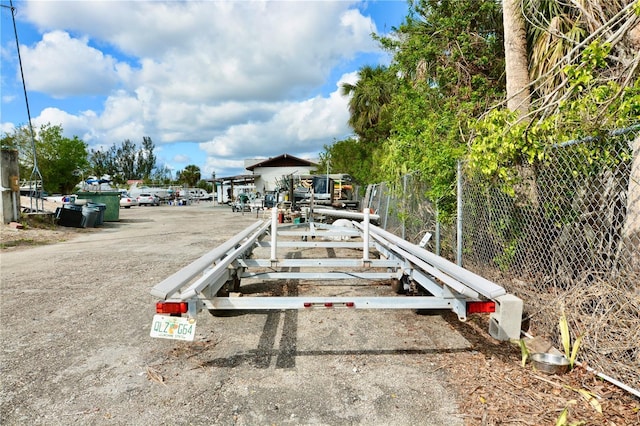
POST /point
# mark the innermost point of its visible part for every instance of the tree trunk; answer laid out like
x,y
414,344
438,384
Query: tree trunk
x,y
515,49
631,231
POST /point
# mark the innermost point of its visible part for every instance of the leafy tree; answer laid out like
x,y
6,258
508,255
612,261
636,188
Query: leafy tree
x,y
60,160
161,175
558,33
189,176
101,163
453,46
353,157
581,85
207,186
146,160
9,141
426,140
449,55
370,115
447,69
501,142
125,161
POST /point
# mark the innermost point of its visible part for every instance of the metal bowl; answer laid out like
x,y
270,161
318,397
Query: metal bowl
x,y
550,363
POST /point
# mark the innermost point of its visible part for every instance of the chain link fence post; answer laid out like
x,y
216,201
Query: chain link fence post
x,y
459,213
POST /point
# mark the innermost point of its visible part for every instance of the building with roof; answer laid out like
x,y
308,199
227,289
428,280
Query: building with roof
x,y
270,172
266,174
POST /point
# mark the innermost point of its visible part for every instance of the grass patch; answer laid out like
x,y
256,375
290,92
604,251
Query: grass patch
x,y
38,221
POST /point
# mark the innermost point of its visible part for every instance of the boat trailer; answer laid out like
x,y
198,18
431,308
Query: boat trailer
x,y
420,280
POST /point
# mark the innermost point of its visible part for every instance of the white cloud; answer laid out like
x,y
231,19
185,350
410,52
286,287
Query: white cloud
x,y
7,128
181,158
62,66
204,51
302,126
240,78
73,124
217,165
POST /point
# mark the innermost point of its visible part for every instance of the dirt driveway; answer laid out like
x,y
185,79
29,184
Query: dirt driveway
x,y
76,348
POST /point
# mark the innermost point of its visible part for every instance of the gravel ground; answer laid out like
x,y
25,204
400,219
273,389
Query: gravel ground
x,y
76,345
75,311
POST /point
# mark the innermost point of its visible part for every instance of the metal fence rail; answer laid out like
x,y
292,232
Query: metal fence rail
x,y
569,240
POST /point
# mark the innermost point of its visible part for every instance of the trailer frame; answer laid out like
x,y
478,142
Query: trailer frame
x,y
420,279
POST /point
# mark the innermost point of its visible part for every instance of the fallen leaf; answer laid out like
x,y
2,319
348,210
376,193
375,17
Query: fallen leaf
x,y
591,399
155,376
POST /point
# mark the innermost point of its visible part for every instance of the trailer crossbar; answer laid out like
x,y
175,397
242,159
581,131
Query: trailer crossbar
x,y
320,263
319,276
300,302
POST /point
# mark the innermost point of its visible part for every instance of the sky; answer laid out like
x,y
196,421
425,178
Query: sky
x,y
212,83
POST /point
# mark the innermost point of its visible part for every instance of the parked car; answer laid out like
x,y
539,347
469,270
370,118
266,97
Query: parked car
x,y
146,199
126,201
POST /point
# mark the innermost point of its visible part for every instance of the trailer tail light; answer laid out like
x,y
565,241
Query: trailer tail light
x,y
172,307
481,307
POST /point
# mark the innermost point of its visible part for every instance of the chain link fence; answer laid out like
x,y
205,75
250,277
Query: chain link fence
x,y
405,212
567,241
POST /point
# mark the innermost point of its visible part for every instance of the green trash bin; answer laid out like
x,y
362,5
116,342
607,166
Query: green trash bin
x,y
110,199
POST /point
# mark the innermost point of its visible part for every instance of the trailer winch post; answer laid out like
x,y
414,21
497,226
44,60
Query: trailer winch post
x,y
365,236
274,234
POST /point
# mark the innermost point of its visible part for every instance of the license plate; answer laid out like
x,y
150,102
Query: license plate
x,y
178,328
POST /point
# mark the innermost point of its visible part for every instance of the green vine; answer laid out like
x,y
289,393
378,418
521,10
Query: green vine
x,y
591,107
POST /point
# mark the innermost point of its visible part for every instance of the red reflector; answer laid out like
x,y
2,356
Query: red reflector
x,y
350,304
328,304
172,307
481,307
307,304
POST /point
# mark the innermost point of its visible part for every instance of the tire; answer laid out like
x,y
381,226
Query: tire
x,y
397,286
401,285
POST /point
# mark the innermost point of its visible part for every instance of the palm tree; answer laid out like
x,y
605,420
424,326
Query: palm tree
x,y
190,175
631,231
558,32
516,63
370,97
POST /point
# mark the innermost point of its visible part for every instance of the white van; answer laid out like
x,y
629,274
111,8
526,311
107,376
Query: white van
x,y
195,194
